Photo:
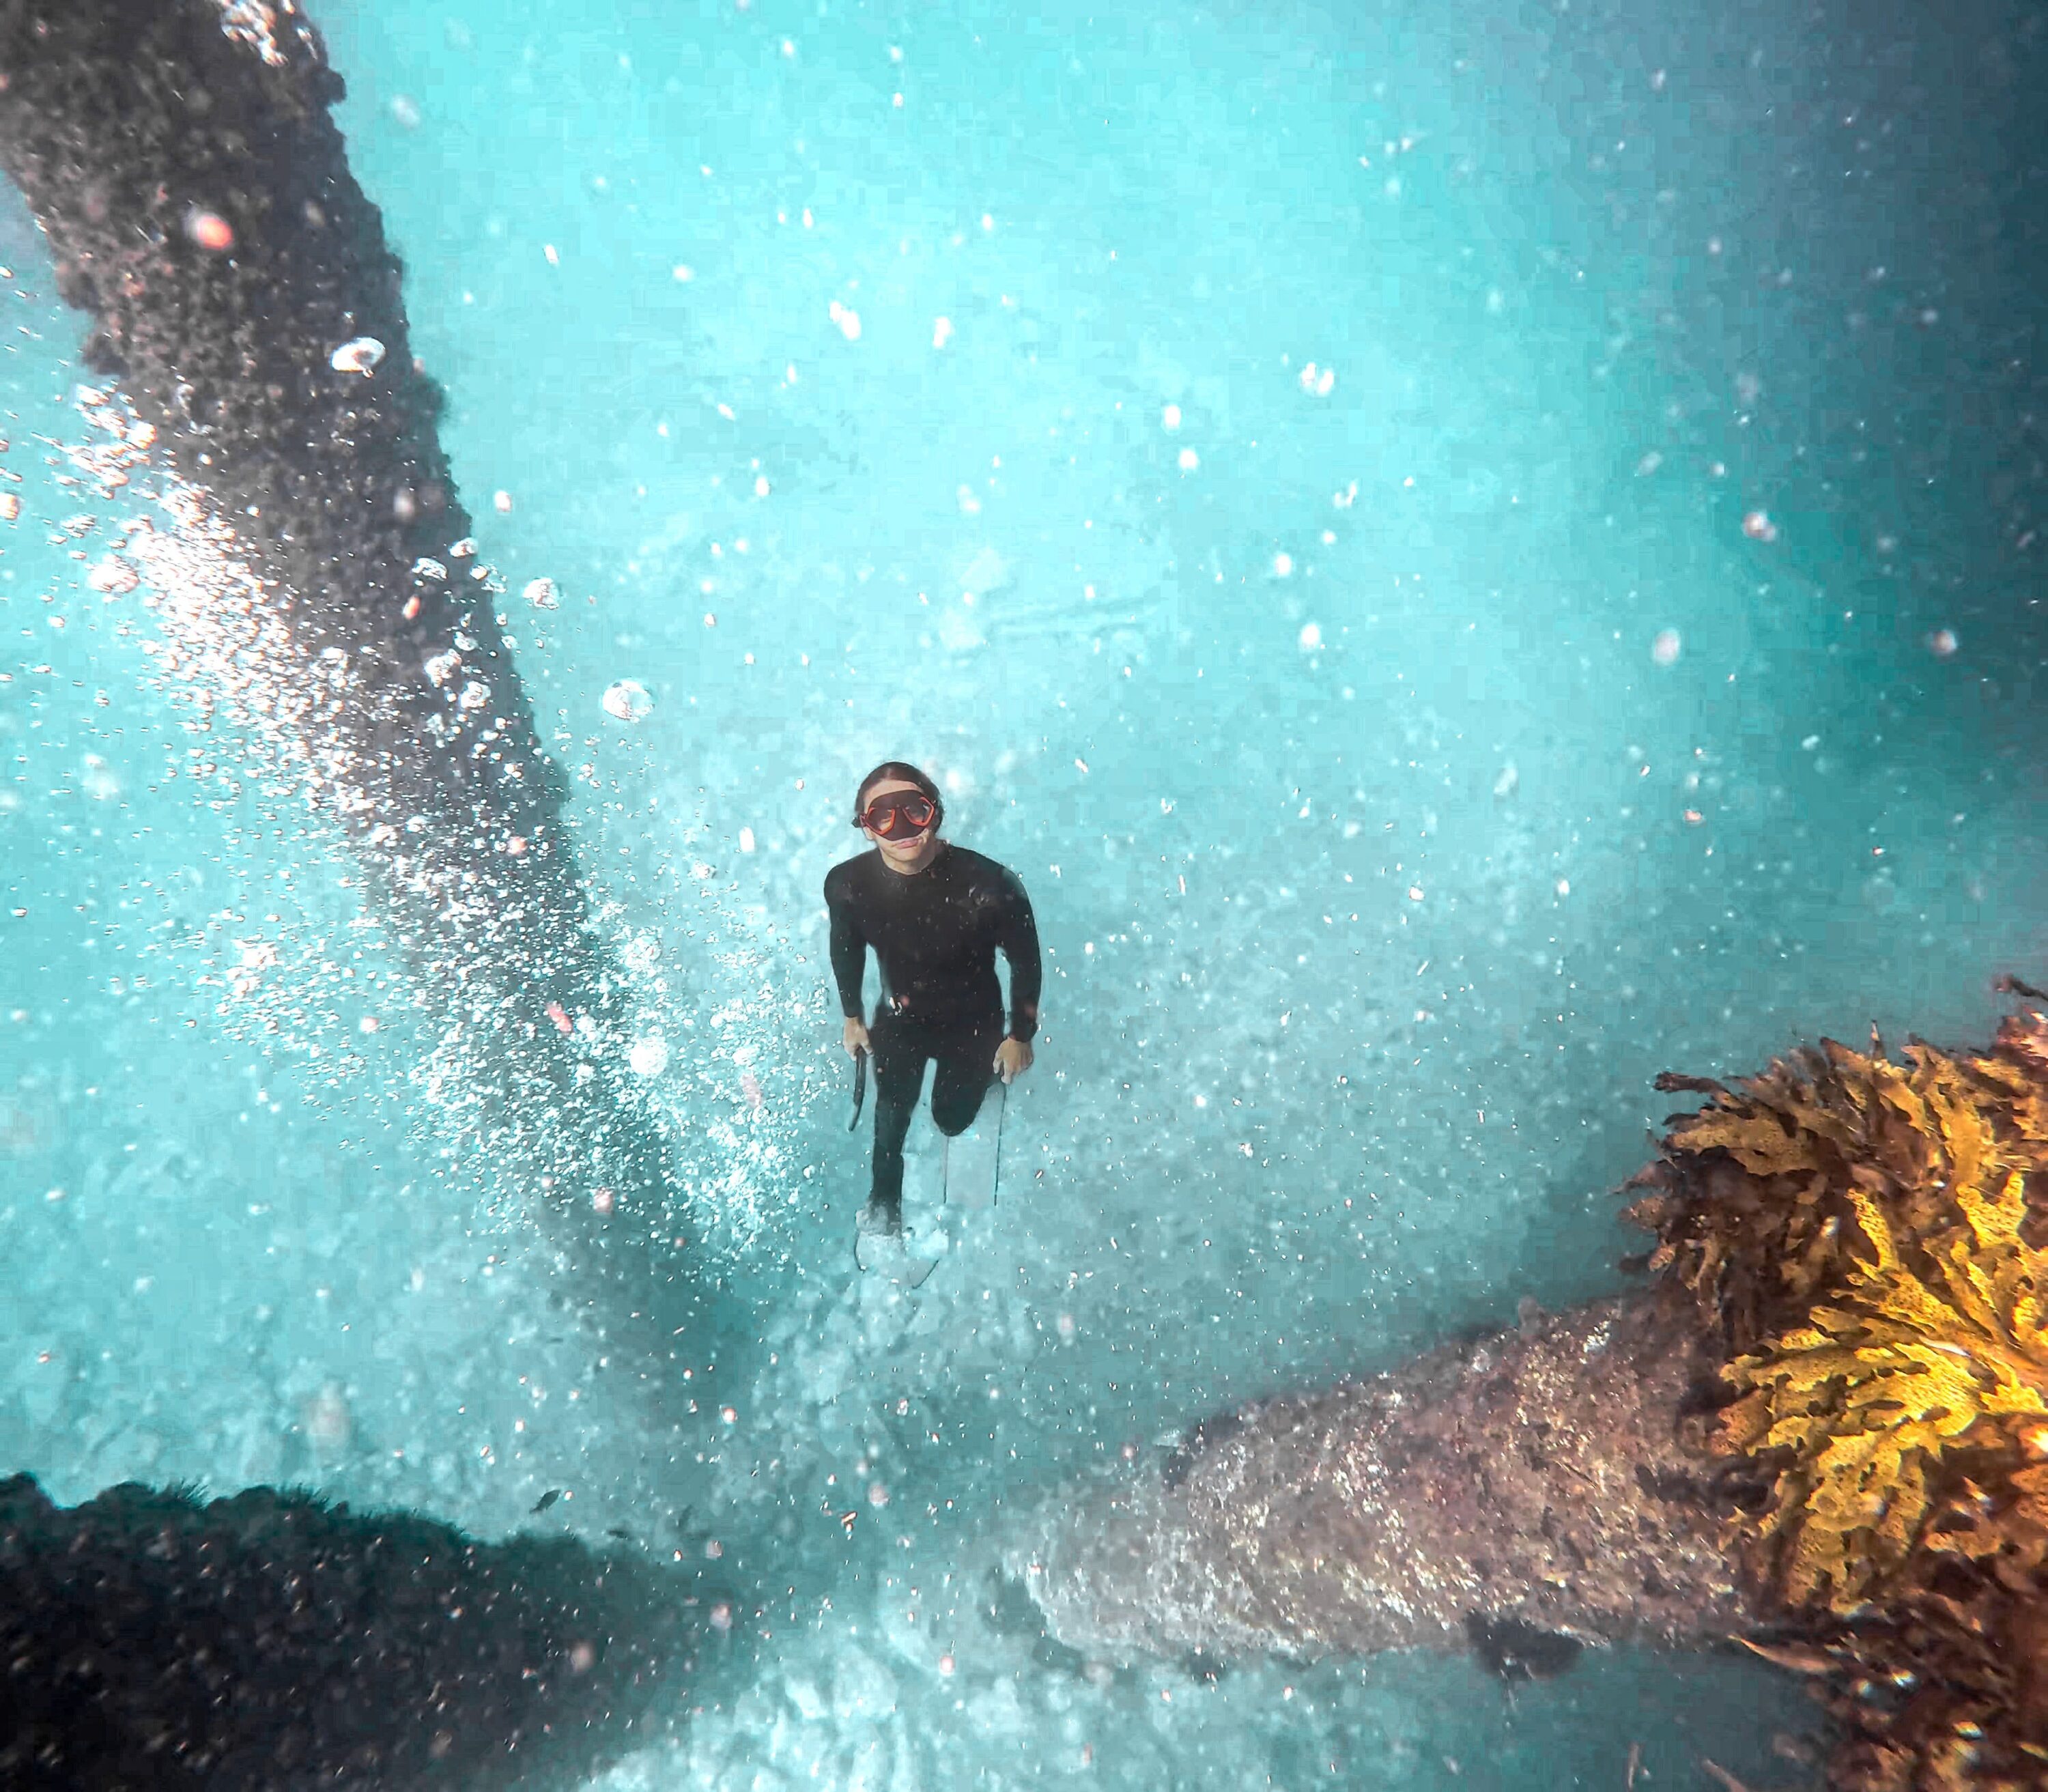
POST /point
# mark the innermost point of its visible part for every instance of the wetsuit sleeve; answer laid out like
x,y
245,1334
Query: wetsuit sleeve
x,y
1018,938
849,948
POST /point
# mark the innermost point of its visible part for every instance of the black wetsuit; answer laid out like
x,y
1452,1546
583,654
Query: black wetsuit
x,y
935,933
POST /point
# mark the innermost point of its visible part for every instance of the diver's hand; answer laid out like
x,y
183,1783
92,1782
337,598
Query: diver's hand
x,y
855,1036
1013,1058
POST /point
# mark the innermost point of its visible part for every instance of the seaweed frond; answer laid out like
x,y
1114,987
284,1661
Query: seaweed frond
x,y
1914,1372
1754,1201
1867,1241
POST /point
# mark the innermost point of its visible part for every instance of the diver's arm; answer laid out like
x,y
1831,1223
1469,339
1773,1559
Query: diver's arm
x,y
849,963
1018,938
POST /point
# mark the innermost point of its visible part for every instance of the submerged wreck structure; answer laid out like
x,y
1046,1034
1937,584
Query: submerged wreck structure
x,y
1822,1429
311,568
271,1640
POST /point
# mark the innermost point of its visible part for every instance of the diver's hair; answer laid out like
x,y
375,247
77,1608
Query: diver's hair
x,y
904,773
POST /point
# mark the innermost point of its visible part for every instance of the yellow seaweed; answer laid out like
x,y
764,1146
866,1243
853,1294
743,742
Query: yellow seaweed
x,y
1868,1241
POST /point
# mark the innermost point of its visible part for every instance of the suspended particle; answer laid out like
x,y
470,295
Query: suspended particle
x,y
114,577
326,1419
1169,418
542,594
602,1200
1667,647
1189,460
942,332
1758,527
501,502
359,354
628,700
1311,637
1943,643
209,230
1283,566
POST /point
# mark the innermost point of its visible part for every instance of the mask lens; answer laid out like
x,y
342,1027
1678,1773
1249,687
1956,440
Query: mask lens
x,y
893,817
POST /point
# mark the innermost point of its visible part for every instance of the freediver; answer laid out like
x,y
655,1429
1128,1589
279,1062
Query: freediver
x,y
935,914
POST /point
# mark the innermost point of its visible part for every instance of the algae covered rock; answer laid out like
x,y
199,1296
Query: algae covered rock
x,y
270,1639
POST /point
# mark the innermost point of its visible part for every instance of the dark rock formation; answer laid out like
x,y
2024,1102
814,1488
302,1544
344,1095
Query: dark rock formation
x,y
1517,1496
270,1641
317,587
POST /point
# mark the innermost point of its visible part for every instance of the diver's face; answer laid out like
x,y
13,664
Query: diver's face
x,y
903,852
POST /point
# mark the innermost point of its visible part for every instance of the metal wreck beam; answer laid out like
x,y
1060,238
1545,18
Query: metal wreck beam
x,y
316,587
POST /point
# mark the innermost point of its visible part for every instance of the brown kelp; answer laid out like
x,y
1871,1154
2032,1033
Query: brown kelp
x,y
1864,1239
315,586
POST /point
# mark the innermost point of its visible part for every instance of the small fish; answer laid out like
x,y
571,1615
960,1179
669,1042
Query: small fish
x,y
547,1500
1798,1658
621,1533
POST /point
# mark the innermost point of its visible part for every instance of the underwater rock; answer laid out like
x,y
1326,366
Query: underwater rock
x,y
1531,1487
270,1640
1826,1420
179,156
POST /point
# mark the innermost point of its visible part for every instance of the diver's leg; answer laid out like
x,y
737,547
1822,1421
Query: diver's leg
x,y
899,1055
959,1086
966,1068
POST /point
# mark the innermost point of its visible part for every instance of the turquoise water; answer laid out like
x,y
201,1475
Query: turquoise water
x,y
1464,561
